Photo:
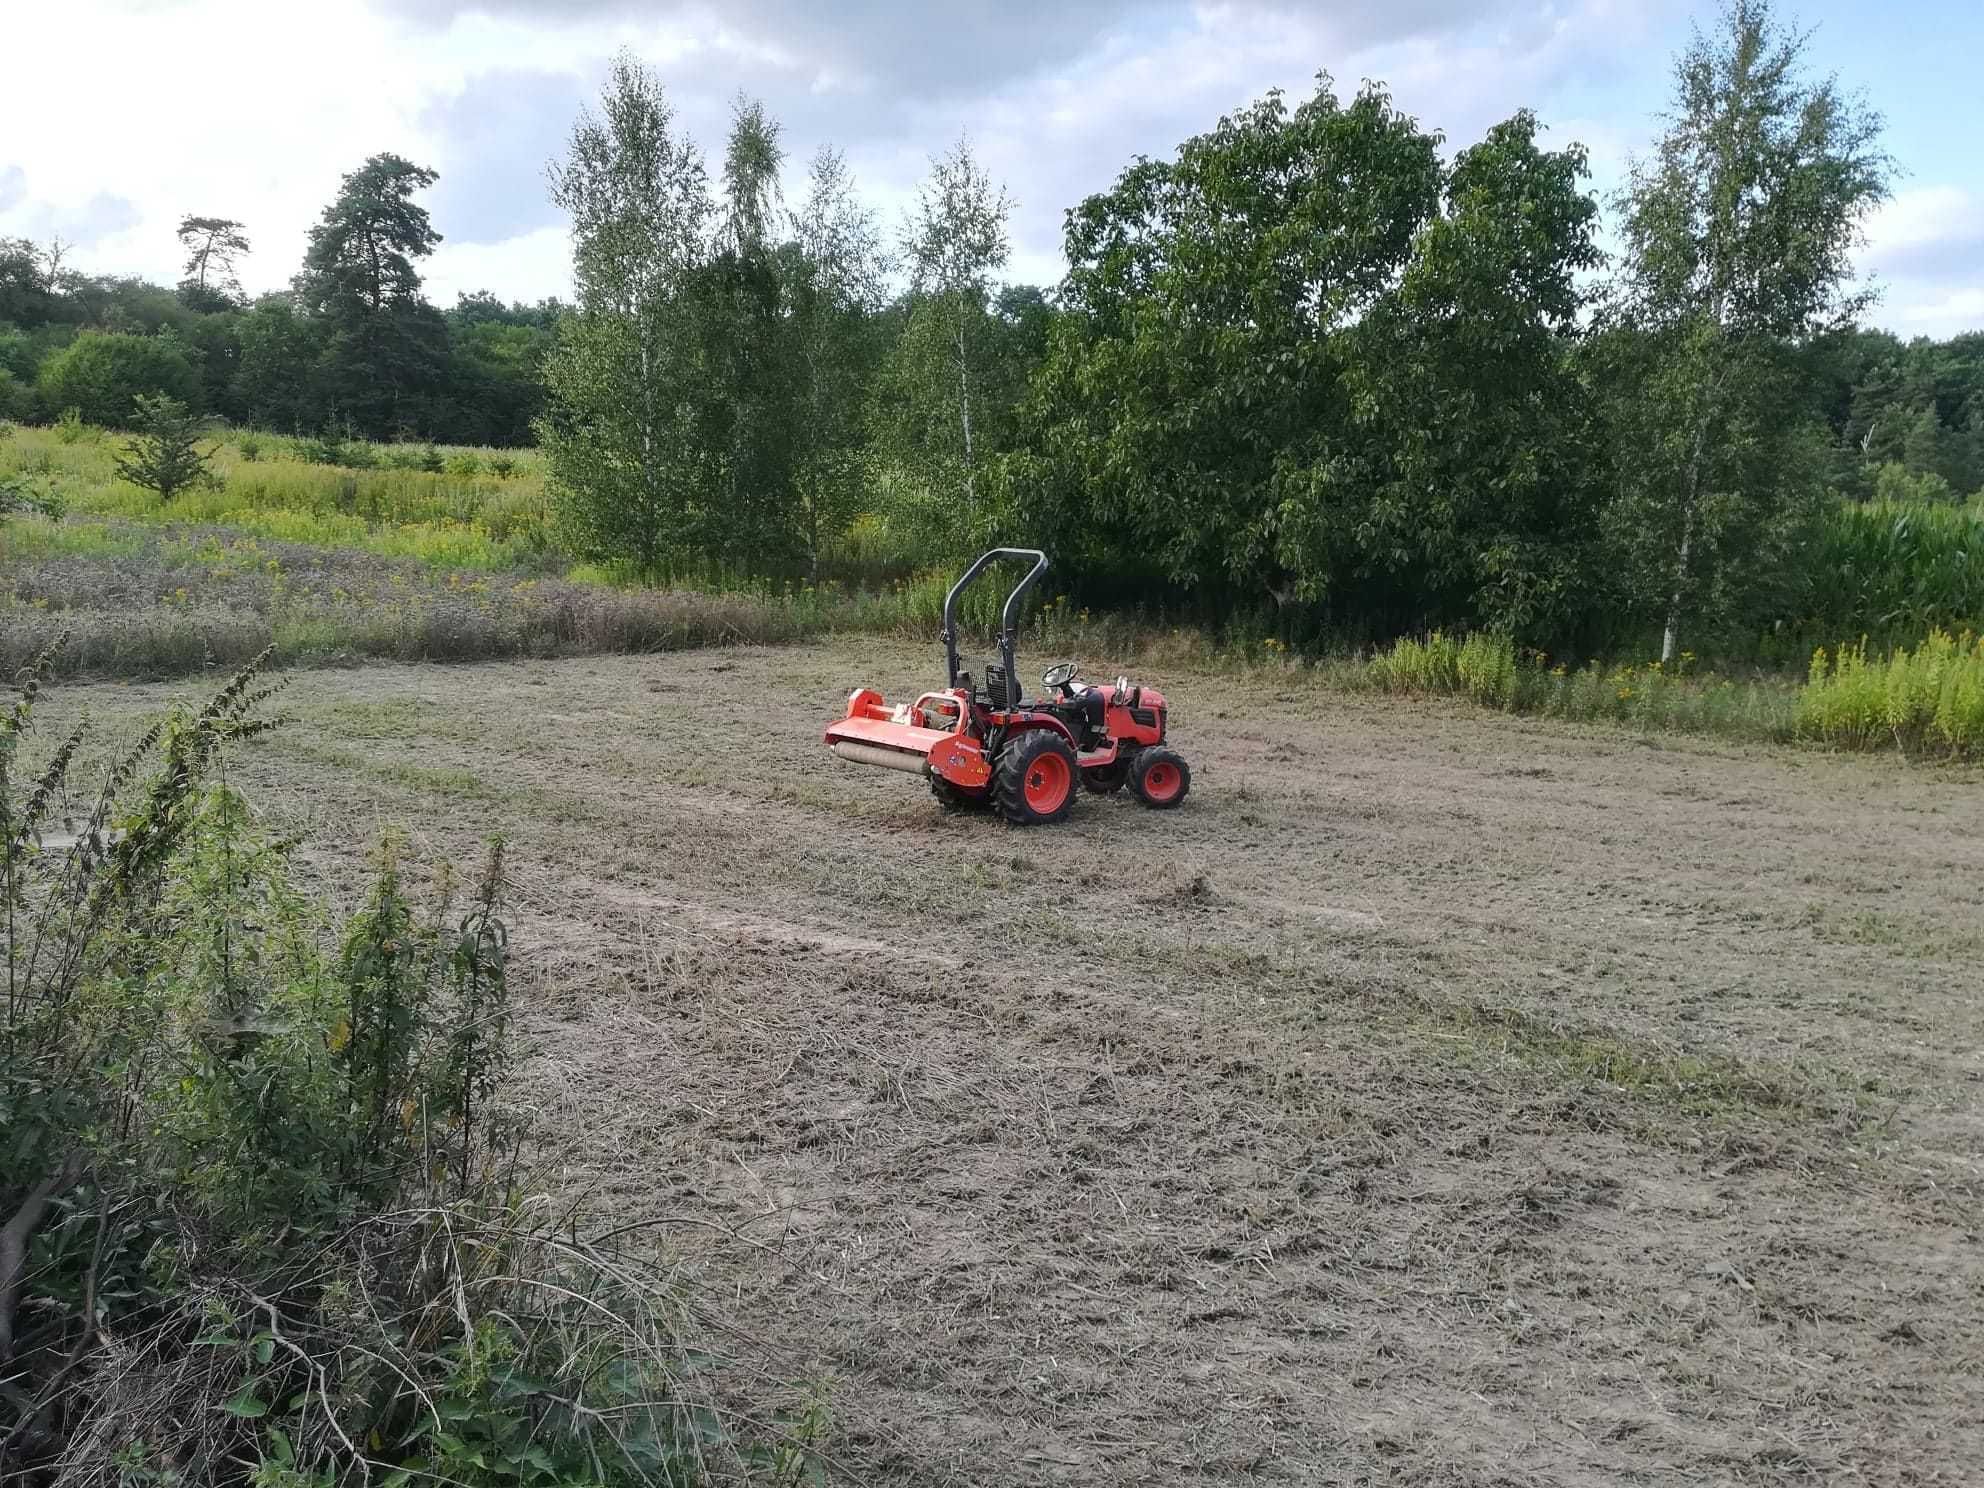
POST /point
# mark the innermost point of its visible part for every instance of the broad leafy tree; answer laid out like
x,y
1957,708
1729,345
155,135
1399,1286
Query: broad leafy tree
x,y
102,375
1304,362
1194,389
275,379
1739,232
495,369
1465,486
745,424
27,285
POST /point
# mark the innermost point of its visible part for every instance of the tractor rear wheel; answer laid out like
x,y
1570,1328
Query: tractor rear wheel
x,y
956,797
1160,778
1106,780
1034,783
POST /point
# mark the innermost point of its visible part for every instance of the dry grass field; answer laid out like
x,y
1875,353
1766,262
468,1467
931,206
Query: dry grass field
x,y
1439,1097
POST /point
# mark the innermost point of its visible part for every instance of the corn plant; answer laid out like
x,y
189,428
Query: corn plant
x,y
1894,570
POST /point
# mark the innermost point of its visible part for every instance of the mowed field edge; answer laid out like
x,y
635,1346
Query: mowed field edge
x,y
1438,1096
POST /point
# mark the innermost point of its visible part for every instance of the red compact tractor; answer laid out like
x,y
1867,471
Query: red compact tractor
x,y
983,744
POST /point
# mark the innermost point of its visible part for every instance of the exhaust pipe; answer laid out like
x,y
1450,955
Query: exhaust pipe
x,y
888,759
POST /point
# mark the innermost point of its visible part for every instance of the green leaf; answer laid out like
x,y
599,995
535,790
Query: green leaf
x,y
246,1405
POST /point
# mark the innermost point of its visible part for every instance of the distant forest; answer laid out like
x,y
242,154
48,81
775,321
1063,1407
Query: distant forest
x,y
1901,416
1312,360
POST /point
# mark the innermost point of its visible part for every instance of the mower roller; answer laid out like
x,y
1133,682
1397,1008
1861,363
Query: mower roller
x,y
983,745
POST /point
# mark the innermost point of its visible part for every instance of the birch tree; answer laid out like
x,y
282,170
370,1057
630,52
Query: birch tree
x,y
624,384
836,290
747,424
955,240
1739,234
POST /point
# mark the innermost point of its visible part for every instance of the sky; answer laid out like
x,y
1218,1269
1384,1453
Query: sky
x,y
118,117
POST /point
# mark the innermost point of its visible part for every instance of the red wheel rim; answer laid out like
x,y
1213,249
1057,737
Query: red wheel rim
x,y
1161,781
1048,780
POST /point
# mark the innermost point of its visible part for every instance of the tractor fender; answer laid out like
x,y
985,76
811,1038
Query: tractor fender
x,y
1025,721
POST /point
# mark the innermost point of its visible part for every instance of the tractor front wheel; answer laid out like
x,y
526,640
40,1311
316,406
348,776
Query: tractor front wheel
x,y
1160,778
1035,780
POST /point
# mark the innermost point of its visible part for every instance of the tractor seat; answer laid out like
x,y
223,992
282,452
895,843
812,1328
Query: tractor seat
x,y
1084,712
1001,691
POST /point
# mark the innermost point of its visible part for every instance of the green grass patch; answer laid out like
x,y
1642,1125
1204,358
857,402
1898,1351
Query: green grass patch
x,y
461,515
1707,1086
1928,699
1907,936
1493,671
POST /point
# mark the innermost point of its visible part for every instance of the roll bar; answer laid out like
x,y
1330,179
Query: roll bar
x,y
1009,618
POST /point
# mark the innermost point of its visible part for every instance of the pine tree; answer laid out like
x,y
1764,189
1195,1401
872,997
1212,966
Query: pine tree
x,y
165,455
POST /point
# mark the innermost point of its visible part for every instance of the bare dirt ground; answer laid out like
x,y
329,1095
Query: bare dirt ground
x,y
1437,1098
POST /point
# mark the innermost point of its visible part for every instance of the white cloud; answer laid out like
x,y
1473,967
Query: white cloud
x,y
1925,249
253,110
527,267
1958,310
227,107
1926,225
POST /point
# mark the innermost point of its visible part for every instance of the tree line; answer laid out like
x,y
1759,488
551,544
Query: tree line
x,y
1313,361
351,348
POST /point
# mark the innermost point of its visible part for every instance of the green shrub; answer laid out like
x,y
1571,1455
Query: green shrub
x,y
250,447
1927,697
1896,482
333,448
265,1173
70,428
1481,666
431,461
25,493
324,449
102,374
502,466
16,399
464,464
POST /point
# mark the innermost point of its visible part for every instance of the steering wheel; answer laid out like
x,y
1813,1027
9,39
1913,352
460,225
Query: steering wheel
x,y
1056,678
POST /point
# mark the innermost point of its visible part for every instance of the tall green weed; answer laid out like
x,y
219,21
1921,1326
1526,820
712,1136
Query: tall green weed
x,y
272,1221
1926,698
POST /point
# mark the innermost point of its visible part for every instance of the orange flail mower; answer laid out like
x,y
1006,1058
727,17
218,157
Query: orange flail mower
x,y
983,745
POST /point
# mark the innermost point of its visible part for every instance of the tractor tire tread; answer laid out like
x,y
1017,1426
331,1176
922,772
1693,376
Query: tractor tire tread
x,y
1009,778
